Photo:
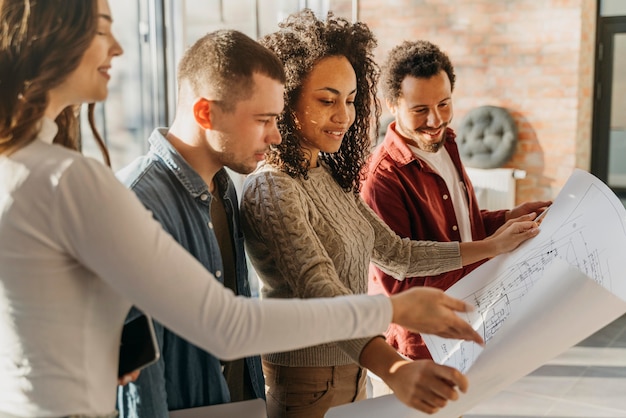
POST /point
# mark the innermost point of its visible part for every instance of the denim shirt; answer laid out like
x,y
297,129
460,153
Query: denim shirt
x,y
185,376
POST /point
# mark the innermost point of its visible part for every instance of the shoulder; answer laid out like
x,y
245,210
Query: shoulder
x,y
393,154
92,177
78,184
270,187
382,167
380,159
151,180
64,166
134,172
268,177
62,174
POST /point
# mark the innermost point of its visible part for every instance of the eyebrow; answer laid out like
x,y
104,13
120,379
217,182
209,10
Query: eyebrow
x,y
267,114
335,91
105,16
425,105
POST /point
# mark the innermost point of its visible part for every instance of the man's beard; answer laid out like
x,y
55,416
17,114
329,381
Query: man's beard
x,y
414,138
432,147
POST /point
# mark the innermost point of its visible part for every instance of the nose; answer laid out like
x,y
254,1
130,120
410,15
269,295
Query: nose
x,y
273,137
116,48
434,118
341,114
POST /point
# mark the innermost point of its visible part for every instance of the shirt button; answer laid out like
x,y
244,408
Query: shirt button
x,y
204,197
210,224
445,197
218,274
454,228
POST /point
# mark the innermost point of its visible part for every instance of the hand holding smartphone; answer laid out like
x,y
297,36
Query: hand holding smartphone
x,y
138,347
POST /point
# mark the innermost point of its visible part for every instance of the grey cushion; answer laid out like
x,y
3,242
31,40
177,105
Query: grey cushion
x,y
487,137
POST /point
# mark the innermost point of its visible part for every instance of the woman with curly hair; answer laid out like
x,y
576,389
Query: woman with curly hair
x,y
309,234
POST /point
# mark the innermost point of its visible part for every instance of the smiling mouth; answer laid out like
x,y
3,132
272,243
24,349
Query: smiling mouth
x,y
105,72
336,133
430,133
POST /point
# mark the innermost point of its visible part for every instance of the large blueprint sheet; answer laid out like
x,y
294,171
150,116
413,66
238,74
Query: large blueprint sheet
x,y
534,303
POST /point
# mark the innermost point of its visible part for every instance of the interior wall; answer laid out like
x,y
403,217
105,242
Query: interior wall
x,y
534,58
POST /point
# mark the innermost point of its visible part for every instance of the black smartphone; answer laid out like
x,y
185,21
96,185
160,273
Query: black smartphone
x,y
138,347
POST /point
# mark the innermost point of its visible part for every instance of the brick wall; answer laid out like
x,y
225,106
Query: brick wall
x,y
532,57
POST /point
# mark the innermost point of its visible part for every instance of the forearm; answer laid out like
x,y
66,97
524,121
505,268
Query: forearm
x,y
507,238
474,251
402,257
422,384
381,358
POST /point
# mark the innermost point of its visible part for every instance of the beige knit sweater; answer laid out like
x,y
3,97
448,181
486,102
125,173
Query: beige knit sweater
x,y
309,238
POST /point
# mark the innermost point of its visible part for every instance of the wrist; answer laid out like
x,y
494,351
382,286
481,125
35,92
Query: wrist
x,y
381,359
493,247
398,313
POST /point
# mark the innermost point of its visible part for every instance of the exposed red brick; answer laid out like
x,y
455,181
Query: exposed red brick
x,y
533,57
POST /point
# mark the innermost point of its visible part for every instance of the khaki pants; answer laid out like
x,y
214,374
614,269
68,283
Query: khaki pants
x,y
309,392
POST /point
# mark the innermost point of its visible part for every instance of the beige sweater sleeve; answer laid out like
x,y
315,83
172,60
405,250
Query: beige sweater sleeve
x,y
402,257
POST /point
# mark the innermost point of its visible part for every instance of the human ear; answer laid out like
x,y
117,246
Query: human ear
x,y
202,113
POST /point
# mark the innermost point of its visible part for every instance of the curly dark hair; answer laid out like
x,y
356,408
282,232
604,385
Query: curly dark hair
x,y
420,59
300,43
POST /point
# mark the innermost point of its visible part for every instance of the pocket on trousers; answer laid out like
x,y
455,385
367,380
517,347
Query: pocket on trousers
x,y
301,398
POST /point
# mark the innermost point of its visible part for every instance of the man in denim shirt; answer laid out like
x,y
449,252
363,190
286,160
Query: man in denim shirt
x,y
230,92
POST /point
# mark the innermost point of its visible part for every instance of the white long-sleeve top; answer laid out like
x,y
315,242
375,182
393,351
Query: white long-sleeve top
x,y
77,248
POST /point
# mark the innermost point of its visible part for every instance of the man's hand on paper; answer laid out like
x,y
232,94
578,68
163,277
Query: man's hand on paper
x,y
513,232
528,207
425,385
429,310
